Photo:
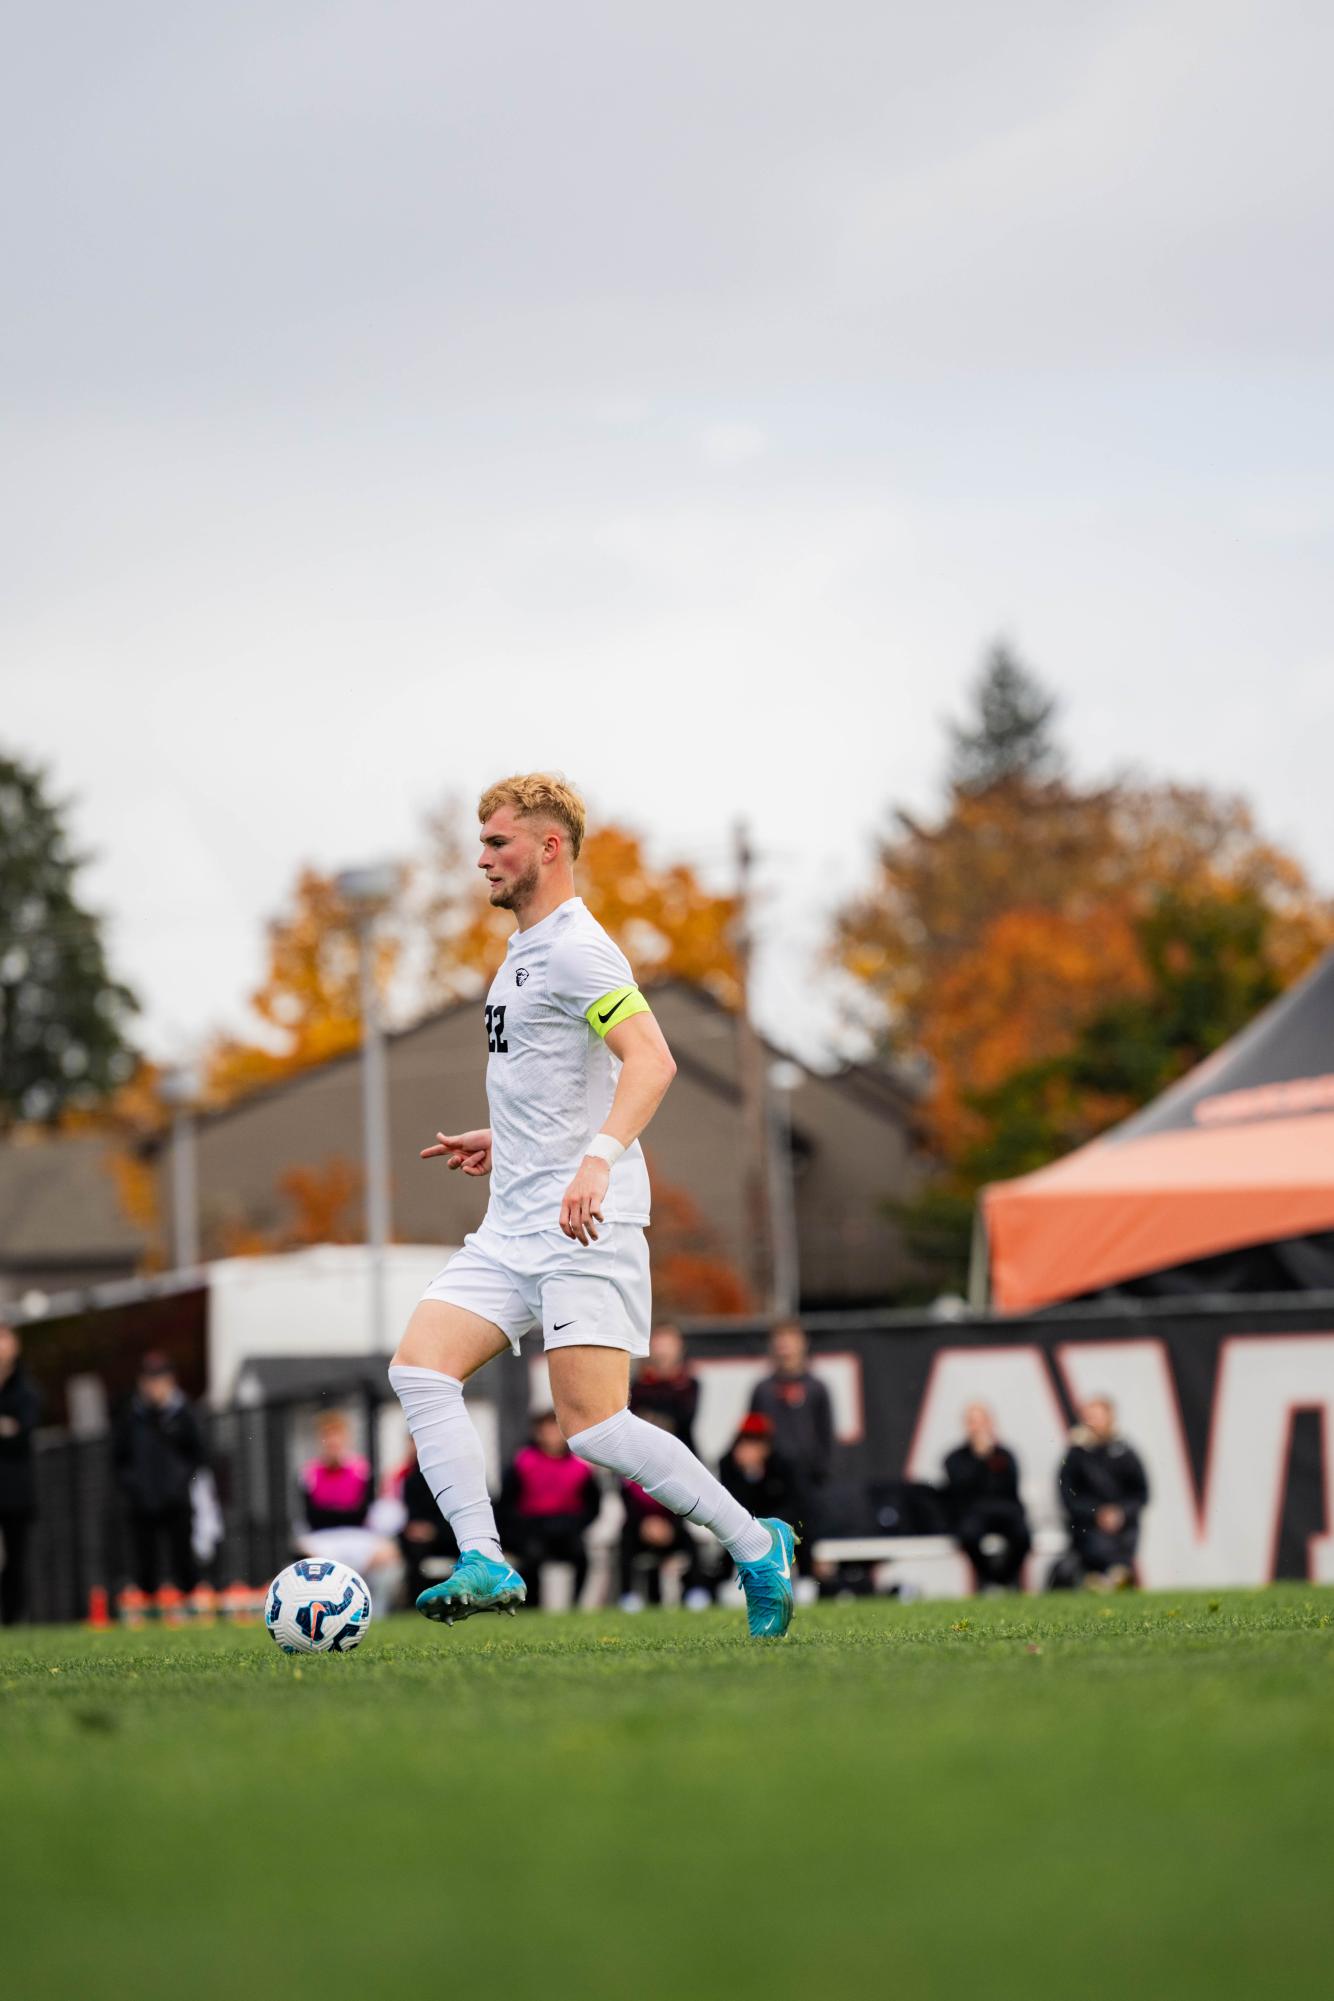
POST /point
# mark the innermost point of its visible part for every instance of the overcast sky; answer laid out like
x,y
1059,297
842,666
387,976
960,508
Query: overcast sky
x,y
679,396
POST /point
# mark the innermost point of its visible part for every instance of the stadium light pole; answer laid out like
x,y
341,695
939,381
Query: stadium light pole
x,y
366,891
179,1089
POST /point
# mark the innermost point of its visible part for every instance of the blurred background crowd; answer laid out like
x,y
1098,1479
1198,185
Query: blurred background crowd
x,y
578,1538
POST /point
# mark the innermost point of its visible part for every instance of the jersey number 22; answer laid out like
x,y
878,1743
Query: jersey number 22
x,y
495,1031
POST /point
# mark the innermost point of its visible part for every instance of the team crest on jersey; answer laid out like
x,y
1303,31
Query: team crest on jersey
x,y
521,976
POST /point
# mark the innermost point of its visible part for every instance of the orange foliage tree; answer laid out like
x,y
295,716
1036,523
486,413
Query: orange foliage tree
x,y
992,939
691,1274
325,1203
322,1205
440,940
133,1115
662,916
308,1004
1052,955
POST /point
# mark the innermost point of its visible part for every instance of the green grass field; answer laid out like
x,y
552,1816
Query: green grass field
x,y
1005,1798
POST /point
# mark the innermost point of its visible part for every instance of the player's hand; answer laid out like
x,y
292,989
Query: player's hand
x,y
582,1206
470,1151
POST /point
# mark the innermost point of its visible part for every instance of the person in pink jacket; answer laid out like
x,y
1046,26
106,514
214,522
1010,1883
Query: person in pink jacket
x,y
548,1500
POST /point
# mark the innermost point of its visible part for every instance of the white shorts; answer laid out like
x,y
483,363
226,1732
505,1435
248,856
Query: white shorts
x,y
581,1295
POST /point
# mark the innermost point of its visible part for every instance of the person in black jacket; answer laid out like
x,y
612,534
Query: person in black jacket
x,y
982,1493
1104,1491
157,1450
797,1405
20,1408
666,1387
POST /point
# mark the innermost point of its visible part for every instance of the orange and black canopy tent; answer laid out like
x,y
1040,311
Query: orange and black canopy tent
x,y
1239,1153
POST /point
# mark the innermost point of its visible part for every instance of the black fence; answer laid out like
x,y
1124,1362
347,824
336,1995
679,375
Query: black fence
x,y
1229,1401
81,1539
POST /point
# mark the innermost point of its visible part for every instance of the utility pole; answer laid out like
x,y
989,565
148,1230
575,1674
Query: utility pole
x,y
180,1090
784,1078
754,1093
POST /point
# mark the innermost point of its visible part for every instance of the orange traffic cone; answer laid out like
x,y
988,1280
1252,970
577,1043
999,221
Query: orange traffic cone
x,y
132,1605
170,1605
204,1604
98,1612
234,1603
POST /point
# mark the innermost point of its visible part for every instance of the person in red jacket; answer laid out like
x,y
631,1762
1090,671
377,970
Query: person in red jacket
x,y
547,1503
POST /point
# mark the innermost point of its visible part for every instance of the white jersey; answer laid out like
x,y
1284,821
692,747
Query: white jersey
x,y
550,1077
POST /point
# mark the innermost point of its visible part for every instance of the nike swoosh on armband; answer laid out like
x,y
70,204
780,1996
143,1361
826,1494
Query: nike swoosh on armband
x,y
615,1007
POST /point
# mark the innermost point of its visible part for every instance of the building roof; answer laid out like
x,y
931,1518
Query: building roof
x,y
59,1204
298,1378
879,1088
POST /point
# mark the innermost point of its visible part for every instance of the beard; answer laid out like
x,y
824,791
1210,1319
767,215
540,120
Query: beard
x,y
516,894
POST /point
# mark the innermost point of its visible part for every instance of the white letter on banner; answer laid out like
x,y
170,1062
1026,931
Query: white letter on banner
x,y
1016,1387
1262,1380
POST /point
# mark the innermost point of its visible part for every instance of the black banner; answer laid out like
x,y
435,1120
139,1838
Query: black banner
x,y
1230,1405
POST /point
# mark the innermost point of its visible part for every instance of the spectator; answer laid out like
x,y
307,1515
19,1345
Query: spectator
x,y
666,1386
343,1518
20,1409
754,1473
425,1536
797,1405
1104,1491
982,1491
156,1451
336,1484
546,1504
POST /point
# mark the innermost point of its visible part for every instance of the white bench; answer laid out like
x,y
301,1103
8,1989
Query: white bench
x,y
930,1566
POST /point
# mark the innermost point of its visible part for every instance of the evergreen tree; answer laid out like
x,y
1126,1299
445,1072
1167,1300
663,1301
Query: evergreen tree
x,y
62,1016
1011,737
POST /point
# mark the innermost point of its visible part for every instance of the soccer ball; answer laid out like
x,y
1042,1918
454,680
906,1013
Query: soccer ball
x,y
316,1606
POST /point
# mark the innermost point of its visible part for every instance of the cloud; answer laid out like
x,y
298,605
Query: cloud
x,y
683,396
733,444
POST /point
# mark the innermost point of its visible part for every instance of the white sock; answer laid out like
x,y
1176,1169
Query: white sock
x,y
449,1453
669,1470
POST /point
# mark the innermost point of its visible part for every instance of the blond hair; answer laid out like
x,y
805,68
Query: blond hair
x,y
538,795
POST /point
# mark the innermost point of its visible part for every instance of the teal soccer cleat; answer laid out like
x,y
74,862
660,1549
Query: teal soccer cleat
x,y
767,1584
478,1584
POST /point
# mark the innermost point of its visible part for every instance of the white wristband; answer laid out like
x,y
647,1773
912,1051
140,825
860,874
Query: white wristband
x,y
603,1147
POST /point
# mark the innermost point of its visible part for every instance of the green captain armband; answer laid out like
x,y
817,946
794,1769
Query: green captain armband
x,y
614,1008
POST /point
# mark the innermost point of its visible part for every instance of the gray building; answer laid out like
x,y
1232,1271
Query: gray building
x,y
851,1150
64,1220
852,1147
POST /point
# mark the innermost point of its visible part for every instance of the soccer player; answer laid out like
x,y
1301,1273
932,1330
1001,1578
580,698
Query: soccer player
x,y
576,1068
